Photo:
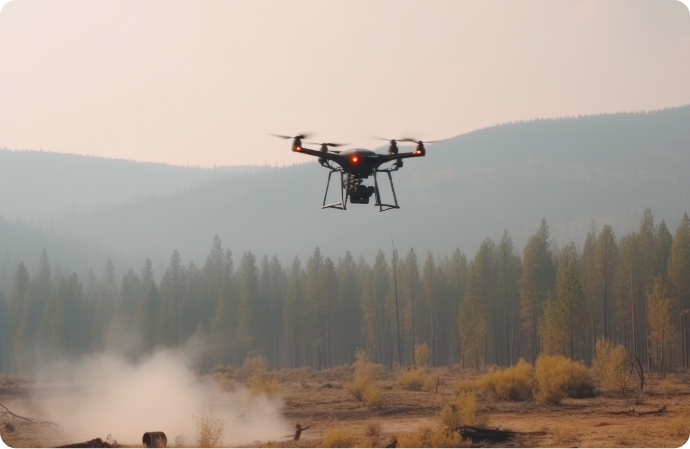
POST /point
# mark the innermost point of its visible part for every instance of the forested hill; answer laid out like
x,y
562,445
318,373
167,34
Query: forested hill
x,y
570,171
36,186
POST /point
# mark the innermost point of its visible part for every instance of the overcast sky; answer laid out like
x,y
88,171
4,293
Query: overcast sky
x,y
204,82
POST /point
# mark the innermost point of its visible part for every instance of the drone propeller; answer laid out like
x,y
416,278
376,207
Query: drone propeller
x,y
418,142
301,136
329,144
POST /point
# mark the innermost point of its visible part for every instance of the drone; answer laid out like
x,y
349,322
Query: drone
x,y
355,165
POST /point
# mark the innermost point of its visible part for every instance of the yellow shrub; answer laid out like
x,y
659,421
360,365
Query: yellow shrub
x,y
373,396
209,430
463,410
510,384
421,353
339,437
609,365
668,387
432,437
413,380
260,384
558,377
680,425
362,386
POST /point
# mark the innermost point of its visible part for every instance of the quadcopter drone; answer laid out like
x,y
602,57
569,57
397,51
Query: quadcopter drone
x,y
356,165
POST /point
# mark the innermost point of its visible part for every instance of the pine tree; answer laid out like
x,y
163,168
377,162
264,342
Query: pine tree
x,y
679,267
429,278
537,279
659,322
605,264
248,295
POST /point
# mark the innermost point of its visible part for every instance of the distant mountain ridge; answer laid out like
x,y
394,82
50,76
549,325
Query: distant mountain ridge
x,y
571,171
39,185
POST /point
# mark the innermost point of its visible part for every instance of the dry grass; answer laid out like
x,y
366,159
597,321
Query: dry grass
x,y
372,428
339,437
413,380
363,387
421,354
462,410
462,386
609,365
558,377
209,430
432,437
565,436
669,387
680,425
262,384
510,384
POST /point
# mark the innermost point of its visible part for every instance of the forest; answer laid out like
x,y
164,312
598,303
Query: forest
x,y
491,308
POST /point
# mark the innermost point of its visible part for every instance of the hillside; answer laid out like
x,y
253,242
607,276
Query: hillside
x,y
606,168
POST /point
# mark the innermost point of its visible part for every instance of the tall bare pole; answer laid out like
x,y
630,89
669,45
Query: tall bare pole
x,y
397,314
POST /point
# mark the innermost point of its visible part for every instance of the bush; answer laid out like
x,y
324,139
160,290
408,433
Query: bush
x,y
462,386
209,430
421,353
680,425
510,384
414,379
362,386
339,437
558,377
668,387
463,410
609,365
432,437
262,384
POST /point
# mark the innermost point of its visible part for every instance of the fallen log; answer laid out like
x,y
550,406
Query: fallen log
x,y
96,442
7,412
632,412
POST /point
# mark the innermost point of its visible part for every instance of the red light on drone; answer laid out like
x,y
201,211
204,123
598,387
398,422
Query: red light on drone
x,y
417,152
355,159
298,149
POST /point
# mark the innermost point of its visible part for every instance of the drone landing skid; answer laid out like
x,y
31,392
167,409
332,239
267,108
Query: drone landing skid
x,y
347,184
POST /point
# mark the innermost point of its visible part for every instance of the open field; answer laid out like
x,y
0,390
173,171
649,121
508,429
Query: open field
x,y
322,400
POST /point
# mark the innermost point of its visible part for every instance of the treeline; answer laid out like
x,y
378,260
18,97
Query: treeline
x,y
493,309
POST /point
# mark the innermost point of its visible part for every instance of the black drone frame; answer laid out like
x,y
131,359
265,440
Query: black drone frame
x,y
346,183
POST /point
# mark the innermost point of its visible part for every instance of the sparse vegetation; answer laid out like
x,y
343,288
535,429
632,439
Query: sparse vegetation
x,y
413,379
609,365
432,437
558,377
462,410
340,436
510,384
363,386
209,430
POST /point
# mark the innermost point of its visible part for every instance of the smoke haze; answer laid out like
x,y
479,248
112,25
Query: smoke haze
x,y
106,394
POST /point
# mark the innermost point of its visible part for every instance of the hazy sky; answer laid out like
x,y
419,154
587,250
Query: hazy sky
x,y
203,82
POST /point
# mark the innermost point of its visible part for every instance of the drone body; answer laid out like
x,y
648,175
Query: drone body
x,y
356,165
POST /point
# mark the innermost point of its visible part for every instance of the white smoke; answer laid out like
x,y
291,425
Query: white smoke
x,y
106,394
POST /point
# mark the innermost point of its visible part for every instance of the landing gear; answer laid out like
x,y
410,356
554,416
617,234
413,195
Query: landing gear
x,y
351,188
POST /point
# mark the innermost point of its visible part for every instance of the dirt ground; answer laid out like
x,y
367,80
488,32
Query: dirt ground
x,y
320,399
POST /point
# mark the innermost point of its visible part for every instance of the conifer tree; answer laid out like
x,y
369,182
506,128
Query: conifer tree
x,y
606,264
248,295
679,267
659,322
537,279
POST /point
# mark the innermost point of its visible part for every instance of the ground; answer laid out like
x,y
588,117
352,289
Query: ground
x,y
321,399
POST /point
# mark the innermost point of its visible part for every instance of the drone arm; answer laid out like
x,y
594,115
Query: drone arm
x,y
330,156
391,157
